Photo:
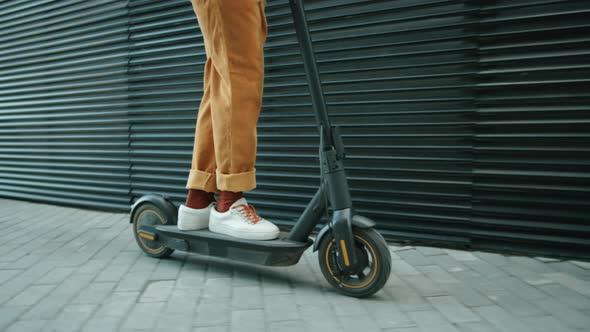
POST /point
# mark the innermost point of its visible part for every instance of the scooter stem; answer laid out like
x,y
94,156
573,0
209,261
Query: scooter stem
x,y
331,147
311,69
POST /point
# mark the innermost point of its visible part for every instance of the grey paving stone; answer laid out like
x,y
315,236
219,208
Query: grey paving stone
x,y
99,279
102,324
567,295
467,294
571,282
247,320
527,276
530,264
519,287
481,326
486,269
502,319
126,258
143,315
308,295
424,286
430,320
495,259
167,269
24,261
8,274
584,265
9,314
144,263
173,323
570,269
437,274
514,304
27,326
21,281
157,291
414,257
58,298
30,295
450,264
453,310
221,328
56,275
112,273
132,281
345,305
271,285
358,323
72,318
430,251
461,255
217,288
401,268
408,299
477,281
117,304
280,307
183,301
95,293
92,266
567,315
319,318
403,329
245,277
386,313
287,326
248,297
212,312
545,324
219,269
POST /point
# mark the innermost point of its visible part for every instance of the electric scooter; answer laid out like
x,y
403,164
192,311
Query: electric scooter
x,y
353,256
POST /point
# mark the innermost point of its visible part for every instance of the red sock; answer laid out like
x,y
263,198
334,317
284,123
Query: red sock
x,y
226,199
198,199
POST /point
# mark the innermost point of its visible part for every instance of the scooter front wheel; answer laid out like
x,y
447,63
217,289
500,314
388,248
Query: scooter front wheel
x,y
374,263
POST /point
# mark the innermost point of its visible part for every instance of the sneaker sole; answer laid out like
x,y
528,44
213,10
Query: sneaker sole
x,y
243,235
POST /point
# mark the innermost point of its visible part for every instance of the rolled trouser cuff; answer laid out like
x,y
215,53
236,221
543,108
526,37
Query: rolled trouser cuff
x,y
198,179
235,182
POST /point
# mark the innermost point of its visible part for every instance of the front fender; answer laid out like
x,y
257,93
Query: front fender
x,y
161,202
357,220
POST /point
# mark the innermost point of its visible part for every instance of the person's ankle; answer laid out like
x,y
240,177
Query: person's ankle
x,y
226,199
198,199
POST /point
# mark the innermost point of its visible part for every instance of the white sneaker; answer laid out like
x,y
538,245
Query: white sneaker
x,y
242,221
190,219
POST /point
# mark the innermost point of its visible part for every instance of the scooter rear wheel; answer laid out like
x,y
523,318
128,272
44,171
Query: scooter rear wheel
x,y
374,263
149,214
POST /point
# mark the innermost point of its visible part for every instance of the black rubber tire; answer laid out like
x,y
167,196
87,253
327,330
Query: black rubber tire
x,y
367,237
158,252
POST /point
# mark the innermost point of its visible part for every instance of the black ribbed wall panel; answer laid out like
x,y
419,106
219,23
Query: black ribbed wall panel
x,y
63,102
465,122
532,136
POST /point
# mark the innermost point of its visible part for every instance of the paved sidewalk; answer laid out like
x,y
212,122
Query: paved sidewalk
x,y
68,269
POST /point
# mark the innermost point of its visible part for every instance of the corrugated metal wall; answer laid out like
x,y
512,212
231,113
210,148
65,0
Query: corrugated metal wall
x,y
532,142
465,122
63,102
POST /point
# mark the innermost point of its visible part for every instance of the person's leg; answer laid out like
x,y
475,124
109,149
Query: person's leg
x,y
201,183
235,32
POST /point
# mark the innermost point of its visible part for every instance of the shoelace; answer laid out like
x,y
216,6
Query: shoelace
x,y
249,212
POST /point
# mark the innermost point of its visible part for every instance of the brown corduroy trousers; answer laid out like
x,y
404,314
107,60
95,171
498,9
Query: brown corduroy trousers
x,y
224,153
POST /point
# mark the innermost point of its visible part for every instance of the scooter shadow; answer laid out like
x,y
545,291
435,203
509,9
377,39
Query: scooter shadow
x,y
301,275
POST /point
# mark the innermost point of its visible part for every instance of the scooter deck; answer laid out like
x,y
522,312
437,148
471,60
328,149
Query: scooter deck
x,y
279,252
